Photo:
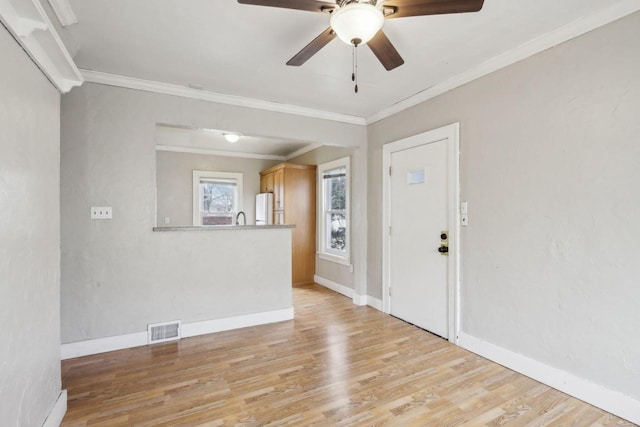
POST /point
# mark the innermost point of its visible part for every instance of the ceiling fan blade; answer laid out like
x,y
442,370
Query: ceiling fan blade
x,y
404,8
382,48
312,48
308,5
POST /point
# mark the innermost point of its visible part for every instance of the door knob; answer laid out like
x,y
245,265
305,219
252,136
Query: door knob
x,y
443,249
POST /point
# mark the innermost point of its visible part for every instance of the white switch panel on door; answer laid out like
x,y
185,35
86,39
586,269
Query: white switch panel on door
x,y
101,212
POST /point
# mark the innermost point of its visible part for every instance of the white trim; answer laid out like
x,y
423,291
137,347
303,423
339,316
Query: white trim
x,y
198,175
595,394
567,32
360,300
333,258
452,134
102,345
374,302
190,150
336,287
320,224
33,29
236,322
137,339
221,98
54,419
348,292
64,12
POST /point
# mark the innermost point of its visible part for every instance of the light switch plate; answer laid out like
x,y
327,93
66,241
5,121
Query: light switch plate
x,y
464,208
101,212
464,219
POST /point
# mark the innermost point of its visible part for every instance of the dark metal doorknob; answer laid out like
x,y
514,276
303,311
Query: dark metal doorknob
x,y
443,249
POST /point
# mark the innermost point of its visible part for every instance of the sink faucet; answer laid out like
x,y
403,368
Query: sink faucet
x,y
238,218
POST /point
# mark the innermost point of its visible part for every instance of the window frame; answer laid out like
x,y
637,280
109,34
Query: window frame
x,y
322,247
198,175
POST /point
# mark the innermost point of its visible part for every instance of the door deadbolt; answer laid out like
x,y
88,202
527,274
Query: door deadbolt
x,y
444,243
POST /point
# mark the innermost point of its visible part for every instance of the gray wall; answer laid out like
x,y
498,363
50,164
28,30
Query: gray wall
x,y
30,239
174,183
330,270
550,166
108,159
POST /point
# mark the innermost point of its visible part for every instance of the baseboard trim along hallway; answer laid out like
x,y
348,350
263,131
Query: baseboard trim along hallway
x,y
136,339
594,394
57,412
349,293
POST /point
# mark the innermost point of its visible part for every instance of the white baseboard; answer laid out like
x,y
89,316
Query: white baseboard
x,y
136,339
374,303
228,323
336,287
594,394
348,292
54,419
102,345
359,299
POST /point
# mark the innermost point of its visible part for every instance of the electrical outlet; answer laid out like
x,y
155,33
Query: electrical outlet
x,y
101,212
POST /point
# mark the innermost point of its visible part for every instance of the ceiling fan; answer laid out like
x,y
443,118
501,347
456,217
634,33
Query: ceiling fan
x,y
358,22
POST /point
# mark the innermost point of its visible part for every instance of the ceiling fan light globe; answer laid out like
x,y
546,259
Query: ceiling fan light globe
x,y
231,137
357,21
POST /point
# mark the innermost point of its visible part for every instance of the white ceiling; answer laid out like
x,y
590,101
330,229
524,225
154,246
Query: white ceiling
x,y
212,141
241,50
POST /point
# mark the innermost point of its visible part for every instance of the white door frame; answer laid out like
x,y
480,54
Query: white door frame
x,y
452,134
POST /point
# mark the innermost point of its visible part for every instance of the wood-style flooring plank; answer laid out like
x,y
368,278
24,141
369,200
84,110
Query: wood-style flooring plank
x,y
336,364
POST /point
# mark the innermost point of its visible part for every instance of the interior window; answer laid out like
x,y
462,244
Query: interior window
x,y
217,197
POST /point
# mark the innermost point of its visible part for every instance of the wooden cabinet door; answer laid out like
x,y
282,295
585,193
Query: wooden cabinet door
x,y
266,183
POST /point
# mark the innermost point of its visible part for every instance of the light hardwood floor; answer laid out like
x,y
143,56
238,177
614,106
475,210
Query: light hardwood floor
x,y
335,364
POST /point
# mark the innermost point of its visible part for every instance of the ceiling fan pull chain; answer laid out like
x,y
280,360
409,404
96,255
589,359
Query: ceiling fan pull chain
x,y
354,75
353,64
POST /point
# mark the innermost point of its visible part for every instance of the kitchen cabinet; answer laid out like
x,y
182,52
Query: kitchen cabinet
x,y
294,202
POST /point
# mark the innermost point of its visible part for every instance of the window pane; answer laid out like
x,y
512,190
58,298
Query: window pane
x,y
218,197
337,231
336,182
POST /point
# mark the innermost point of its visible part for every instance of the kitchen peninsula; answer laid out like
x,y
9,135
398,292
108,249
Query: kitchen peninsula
x,y
211,278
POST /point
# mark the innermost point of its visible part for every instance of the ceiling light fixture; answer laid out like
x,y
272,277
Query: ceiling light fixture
x,y
357,23
231,137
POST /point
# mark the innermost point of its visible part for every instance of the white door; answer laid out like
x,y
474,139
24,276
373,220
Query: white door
x,y
418,214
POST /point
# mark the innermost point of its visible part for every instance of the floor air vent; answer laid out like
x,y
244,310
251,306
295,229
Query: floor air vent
x,y
161,332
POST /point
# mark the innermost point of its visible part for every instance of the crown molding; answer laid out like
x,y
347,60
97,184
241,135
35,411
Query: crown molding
x,y
64,12
204,95
567,32
191,150
29,24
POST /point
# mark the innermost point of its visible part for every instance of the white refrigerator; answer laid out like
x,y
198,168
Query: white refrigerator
x,y
264,209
